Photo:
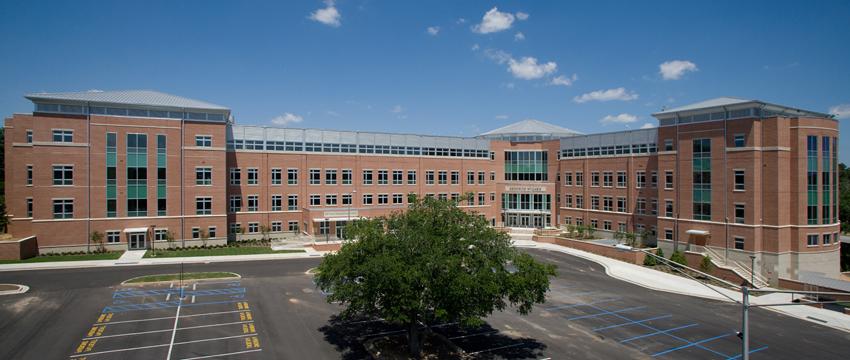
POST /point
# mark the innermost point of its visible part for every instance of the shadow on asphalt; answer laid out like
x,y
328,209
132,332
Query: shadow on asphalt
x,y
483,342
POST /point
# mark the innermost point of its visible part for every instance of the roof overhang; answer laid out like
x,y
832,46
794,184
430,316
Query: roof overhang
x,y
136,230
697,232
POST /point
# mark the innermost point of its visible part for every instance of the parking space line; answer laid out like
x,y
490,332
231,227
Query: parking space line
x,y
605,312
160,305
472,335
581,304
751,351
172,317
659,332
497,348
691,344
632,322
166,330
174,332
159,345
220,355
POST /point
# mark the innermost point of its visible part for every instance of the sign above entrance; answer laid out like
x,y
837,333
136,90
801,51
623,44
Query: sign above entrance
x,y
525,189
341,214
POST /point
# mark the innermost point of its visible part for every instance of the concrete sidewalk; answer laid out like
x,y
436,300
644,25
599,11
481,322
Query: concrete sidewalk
x,y
661,281
137,260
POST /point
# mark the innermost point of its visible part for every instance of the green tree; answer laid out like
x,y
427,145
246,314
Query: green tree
x,y
4,218
706,265
96,237
431,263
650,260
844,196
679,258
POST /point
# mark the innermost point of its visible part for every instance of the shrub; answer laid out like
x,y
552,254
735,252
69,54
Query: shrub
x,y
706,265
660,253
649,260
678,258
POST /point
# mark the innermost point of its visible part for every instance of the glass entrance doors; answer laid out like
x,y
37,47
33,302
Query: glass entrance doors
x,y
137,241
526,220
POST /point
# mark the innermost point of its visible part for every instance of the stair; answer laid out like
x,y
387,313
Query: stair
x,y
740,269
525,234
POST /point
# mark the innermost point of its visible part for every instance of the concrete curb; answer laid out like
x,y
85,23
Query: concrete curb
x,y
21,289
127,282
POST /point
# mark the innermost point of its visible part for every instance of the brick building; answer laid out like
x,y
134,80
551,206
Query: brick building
x,y
728,177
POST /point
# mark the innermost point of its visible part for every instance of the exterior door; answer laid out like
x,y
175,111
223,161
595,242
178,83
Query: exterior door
x,y
340,229
538,221
137,241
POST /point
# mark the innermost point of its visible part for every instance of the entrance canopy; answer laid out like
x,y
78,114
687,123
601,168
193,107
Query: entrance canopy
x,y
136,230
697,232
337,218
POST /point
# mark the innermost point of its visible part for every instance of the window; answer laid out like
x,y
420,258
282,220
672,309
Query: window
x,y
277,226
455,177
367,199
641,206
608,203
481,179
429,177
346,199
740,140
397,177
292,202
739,243
812,240
315,200
594,202
367,177
568,179
641,179
29,136
668,208
277,203
235,176
330,176
621,179
739,180
211,232
492,176
653,179
481,198
292,176
253,202
315,176
383,199
160,234
235,203
470,178
621,227
235,228
203,205
63,208
442,177
203,140
398,199
253,228
66,136
292,226
568,220
568,200
63,175
653,207
606,225
621,204
668,234
594,223
383,177
137,179
111,174
277,176
701,179
525,166
346,176
411,177
203,176
668,144
29,207
607,179
580,201
827,238
113,237
330,200
594,179
668,180
29,174
579,178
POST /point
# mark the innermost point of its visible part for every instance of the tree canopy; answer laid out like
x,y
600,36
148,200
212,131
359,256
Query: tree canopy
x,y
431,263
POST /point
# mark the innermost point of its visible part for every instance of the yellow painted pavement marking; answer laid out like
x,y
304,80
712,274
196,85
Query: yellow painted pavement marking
x,y
101,330
256,341
101,317
82,346
248,328
108,317
92,331
239,305
248,343
245,315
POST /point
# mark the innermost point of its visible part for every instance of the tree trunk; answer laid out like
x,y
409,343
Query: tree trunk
x,y
413,340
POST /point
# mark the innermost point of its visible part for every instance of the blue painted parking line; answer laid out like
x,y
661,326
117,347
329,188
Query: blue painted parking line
x,y
659,332
751,351
605,312
139,293
632,322
160,292
581,304
225,291
691,344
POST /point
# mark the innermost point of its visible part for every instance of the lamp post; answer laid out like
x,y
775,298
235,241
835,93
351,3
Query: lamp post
x,y
752,271
327,230
351,201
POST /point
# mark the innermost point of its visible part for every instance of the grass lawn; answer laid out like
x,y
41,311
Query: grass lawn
x,y
186,276
112,255
218,252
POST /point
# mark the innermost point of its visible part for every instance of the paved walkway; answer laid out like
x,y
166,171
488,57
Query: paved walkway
x,y
662,281
131,257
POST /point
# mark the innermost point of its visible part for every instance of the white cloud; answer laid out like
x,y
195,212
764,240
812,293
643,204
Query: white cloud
x,y
397,109
461,21
562,80
607,95
286,119
499,56
475,47
675,69
527,68
502,117
433,30
647,126
494,21
328,15
522,16
841,111
519,36
619,119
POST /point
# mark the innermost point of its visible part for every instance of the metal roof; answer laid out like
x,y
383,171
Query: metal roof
x,y
710,103
720,102
531,126
128,97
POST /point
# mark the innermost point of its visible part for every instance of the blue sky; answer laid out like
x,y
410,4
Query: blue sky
x,y
435,67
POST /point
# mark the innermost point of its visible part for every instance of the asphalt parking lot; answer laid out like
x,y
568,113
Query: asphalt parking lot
x,y
275,312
